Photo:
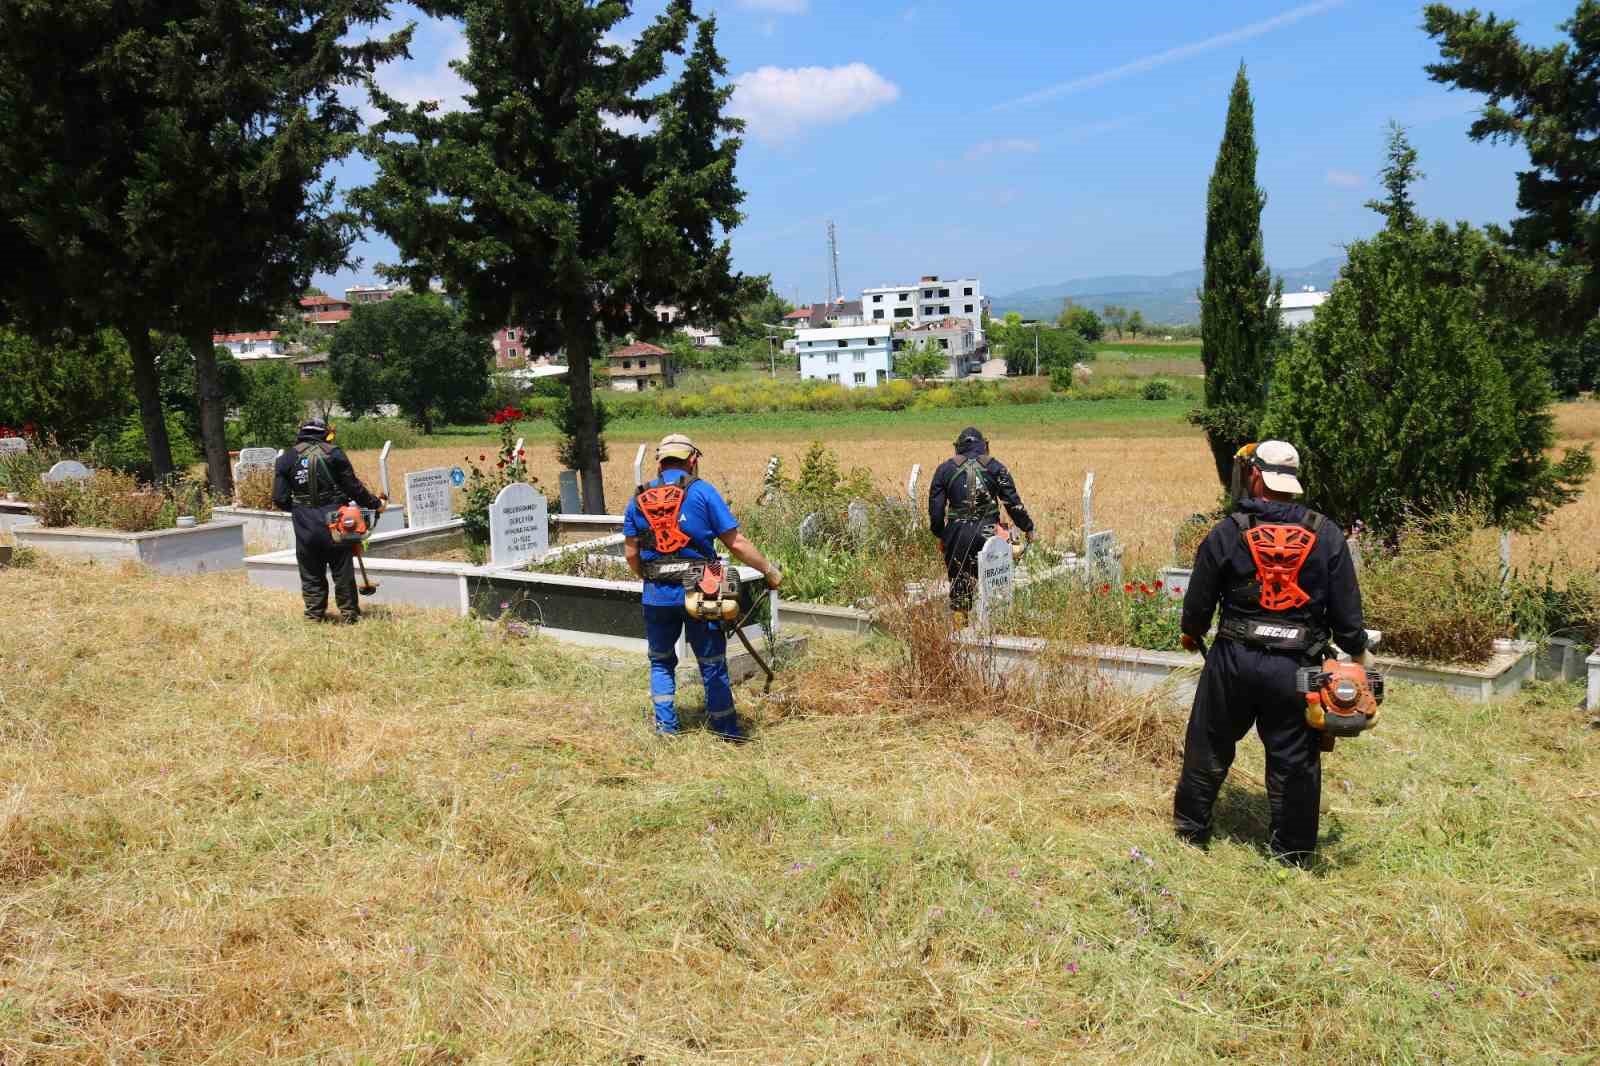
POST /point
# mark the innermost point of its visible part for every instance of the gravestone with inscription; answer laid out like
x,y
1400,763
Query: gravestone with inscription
x,y
519,525
428,498
567,480
996,577
1105,561
254,459
9,445
67,470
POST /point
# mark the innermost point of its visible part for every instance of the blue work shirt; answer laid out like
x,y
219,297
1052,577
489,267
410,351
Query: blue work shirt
x,y
704,517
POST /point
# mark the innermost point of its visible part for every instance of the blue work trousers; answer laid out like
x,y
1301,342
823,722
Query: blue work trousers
x,y
662,626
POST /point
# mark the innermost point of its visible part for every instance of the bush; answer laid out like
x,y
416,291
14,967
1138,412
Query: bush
x,y
369,434
128,450
108,499
1156,389
272,408
1061,378
254,490
1433,594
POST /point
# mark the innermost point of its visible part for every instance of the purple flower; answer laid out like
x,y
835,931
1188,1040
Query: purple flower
x,y
1072,968
1015,873
1135,854
935,912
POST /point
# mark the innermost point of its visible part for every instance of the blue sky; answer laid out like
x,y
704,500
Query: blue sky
x,y
1033,142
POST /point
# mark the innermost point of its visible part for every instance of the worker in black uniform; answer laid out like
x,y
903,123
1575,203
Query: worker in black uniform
x,y
1287,587
311,480
964,508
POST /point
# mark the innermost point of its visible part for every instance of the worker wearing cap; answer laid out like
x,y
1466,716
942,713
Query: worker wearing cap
x,y
964,503
1283,602
703,518
311,480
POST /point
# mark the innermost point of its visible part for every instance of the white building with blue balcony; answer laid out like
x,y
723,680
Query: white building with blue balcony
x,y
857,357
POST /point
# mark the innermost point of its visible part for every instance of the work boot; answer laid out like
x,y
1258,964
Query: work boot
x,y
349,619
319,616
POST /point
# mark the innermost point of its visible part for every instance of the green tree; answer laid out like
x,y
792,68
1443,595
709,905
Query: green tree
x,y
1239,325
168,158
582,187
1135,324
1547,100
72,390
1416,388
1081,321
318,394
1116,317
921,361
180,390
272,408
416,352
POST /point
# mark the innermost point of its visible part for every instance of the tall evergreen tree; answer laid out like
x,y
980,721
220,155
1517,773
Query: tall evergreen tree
x,y
165,158
568,198
1239,327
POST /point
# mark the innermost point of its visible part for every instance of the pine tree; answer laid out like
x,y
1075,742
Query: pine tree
x,y
569,198
1239,329
1420,386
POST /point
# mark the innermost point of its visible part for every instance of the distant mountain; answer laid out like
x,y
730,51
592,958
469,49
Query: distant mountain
x,y
1166,298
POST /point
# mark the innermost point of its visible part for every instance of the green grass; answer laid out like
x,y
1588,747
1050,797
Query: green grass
x,y
1141,350
230,836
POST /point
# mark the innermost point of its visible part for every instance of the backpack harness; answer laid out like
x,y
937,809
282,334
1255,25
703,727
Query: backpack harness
x,y
313,456
661,506
981,504
1271,611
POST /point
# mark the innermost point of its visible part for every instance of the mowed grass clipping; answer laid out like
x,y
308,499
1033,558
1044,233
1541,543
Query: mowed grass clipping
x,y
230,836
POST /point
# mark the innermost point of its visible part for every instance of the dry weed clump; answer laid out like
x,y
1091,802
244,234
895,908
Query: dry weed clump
x,y
254,490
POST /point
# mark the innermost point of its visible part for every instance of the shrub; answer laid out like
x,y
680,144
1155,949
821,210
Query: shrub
x,y
484,484
128,450
369,434
1156,389
1433,594
1061,378
254,490
272,407
109,499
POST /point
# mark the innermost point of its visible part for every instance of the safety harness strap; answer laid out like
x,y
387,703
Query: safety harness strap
x,y
980,503
316,458
661,505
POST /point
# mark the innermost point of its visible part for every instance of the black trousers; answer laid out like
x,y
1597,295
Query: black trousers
x,y
317,556
962,541
1243,686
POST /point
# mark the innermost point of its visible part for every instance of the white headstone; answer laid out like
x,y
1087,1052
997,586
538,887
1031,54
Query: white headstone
x,y
913,481
996,579
859,518
13,444
1101,552
810,527
241,468
383,469
428,498
257,455
67,470
568,482
516,449
519,525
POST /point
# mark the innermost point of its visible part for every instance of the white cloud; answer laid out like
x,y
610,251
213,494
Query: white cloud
x,y
1173,55
1345,179
1001,146
626,123
427,76
782,7
778,102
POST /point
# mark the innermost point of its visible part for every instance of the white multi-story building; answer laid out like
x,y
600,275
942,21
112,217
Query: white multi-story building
x,y
955,337
856,357
1298,308
929,300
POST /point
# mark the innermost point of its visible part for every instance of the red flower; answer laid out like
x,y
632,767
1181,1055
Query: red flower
x,y
1158,585
1128,588
482,458
1105,589
1144,589
502,464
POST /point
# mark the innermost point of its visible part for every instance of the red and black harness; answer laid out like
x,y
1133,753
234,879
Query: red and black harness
x,y
1271,610
661,505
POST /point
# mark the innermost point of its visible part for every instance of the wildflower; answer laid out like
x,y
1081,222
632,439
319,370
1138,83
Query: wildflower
x,y
505,605
1144,590
1135,854
1033,1023
1072,968
482,458
1158,585
1128,588
1014,873
935,913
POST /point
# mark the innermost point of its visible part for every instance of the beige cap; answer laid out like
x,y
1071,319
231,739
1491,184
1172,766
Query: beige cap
x,y
676,446
1279,464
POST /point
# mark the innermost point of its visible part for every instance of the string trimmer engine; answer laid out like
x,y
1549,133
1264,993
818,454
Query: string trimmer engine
x,y
1342,698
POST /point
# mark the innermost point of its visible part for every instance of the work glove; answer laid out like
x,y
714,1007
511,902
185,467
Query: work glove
x,y
774,578
1189,643
383,501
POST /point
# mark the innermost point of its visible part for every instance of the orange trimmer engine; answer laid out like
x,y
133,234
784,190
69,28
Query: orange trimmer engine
x,y
714,594
1341,698
349,526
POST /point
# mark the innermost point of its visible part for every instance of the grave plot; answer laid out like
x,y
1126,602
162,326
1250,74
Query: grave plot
x,y
104,516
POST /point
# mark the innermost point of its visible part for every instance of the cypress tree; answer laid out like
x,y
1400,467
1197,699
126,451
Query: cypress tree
x,y
1238,303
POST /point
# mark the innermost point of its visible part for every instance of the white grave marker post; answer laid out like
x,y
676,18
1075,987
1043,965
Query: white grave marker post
x,y
10,445
66,470
516,449
996,580
567,480
1088,509
1505,557
383,468
638,466
519,525
913,481
809,528
428,498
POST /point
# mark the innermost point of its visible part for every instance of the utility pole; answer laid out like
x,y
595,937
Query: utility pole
x,y
1036,349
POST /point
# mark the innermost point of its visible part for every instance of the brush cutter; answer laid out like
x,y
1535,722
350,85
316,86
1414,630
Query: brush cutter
x,y
350,526
1342,699
738,631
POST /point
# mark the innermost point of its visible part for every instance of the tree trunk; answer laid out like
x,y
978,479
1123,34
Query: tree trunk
x,y
213,413
147,387
586,435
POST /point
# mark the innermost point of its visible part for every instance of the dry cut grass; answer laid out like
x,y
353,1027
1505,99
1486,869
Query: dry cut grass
x,y
229,836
